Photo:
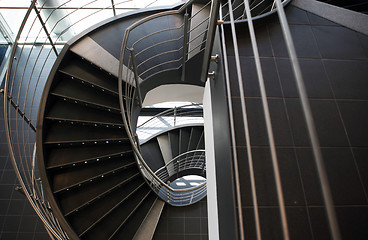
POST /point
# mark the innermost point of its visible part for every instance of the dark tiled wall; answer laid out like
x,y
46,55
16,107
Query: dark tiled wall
x,y
183,223
17,218
334,62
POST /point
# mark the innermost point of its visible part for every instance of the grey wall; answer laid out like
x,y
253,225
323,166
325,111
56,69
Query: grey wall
x,y
334,62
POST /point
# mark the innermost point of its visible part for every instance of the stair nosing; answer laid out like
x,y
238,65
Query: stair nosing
x,y
130,214
102,194
82,121
86,80
83,101
95,177
88,159
89,140
112,209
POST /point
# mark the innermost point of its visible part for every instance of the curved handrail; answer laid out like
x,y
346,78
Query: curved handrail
x,y
258,11
186,158
170,110
128,74
173,118
36,47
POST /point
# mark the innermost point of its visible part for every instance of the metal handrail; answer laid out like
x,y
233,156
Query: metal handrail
x,y
35,49
185,158
23,84
256,8
125,76
172,111
173,118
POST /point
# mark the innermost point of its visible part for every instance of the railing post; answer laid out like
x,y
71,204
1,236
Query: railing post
x,y
136,77
210,38
22,114
185,42
174,116
113,7
45,29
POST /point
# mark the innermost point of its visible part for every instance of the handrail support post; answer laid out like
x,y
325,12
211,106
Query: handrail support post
x,y
45,29
185,42
138,90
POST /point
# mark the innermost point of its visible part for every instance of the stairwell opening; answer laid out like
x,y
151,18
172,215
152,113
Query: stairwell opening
x,y
171,138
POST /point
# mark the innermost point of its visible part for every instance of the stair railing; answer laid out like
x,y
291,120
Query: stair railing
x,y
258,9
45,29
191,160
142,56
186,115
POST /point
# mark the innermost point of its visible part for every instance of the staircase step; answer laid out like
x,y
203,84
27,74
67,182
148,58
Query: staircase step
x,y
195,136
201,142
77,91
131,226
73,112
88,217
149,224
69,177
165,148
152,155
110,226
74,199
174,142
184,137
70,133
62,157
84,71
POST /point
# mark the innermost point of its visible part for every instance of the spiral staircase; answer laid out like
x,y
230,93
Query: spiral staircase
x,y
94,180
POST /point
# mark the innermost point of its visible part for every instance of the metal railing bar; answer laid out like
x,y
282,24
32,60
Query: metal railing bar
x,y
331,215
199,24
202,34
200,10
157,32
185,40
198,45
113,7
158,55
158,44
210,38
271,139
165,112
158,65
244,115
45,30
227,14
232,130
16,107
